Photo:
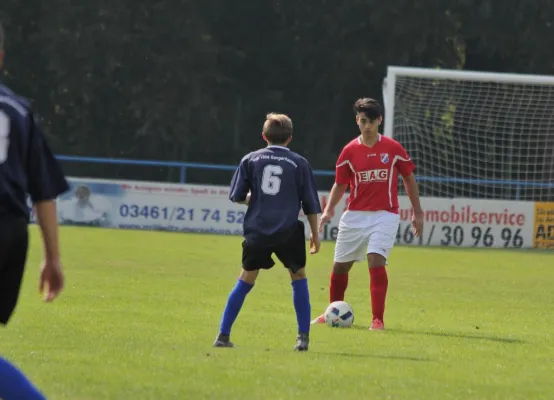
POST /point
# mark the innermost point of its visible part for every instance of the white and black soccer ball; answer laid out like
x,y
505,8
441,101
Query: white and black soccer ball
x,y
339,314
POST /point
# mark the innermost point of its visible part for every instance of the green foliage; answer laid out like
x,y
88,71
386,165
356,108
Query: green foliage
x,y
190,80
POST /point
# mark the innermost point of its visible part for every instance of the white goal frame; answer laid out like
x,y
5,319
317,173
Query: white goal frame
x,y
389,83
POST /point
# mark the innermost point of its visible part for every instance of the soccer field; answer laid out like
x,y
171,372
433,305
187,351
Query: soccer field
x,y
141,310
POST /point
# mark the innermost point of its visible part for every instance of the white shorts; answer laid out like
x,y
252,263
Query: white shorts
x,y
364,232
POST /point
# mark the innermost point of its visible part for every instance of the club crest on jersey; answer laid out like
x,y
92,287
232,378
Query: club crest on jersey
x,y
384,158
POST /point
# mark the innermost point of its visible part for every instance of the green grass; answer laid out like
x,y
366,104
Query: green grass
x,y
141,310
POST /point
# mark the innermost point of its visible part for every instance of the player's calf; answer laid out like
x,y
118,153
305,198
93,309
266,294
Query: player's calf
x,y
234,304
337,285
339,281
378,289
301,300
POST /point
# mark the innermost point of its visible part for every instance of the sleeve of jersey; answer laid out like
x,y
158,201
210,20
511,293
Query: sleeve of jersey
x,y
240,184
310,197
343,171
404,163
45,177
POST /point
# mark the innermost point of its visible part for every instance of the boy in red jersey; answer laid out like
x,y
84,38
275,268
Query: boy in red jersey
x,y
370,164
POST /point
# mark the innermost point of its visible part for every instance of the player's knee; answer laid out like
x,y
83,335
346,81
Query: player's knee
x,y
376,260
298,275
249,276
341,268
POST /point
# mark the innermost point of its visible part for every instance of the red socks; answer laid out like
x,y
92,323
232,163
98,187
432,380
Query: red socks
x,y
378,286
338,286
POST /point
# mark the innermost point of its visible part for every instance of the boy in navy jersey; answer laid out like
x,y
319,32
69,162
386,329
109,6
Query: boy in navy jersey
x,y
27,166
275,183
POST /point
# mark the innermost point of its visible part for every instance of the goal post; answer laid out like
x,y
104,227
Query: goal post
x,y
482,135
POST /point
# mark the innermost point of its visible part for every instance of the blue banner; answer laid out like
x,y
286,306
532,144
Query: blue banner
x,y
152,206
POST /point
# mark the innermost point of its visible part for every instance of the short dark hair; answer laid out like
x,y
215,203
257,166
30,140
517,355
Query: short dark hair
x,y
1,37
277,128
370,107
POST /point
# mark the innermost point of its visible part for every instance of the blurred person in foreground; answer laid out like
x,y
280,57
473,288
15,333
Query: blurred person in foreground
x,y
27,166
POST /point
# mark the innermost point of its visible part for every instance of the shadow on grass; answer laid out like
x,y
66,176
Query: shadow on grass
x,y
381,357
452,335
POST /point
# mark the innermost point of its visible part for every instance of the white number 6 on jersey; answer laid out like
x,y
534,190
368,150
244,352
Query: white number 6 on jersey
x,y
4,136
271,183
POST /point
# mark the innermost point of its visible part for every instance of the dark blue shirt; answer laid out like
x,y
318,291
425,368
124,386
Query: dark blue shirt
x,y
27,165
281,182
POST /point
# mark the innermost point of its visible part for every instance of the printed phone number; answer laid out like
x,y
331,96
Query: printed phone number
x,y
457,235
180,214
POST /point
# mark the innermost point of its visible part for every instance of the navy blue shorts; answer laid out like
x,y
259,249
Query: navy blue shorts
x,y
14,241
292,252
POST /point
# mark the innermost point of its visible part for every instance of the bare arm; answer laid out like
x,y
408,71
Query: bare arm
x,y
312,220
46,182
314,237
337,191
410,184
51,275
412,190
47,217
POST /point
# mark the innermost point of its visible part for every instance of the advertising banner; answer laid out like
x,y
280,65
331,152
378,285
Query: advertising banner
x,y
459,223
207,209
543,230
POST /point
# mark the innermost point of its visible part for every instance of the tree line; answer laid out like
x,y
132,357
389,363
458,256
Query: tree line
x,y
192,80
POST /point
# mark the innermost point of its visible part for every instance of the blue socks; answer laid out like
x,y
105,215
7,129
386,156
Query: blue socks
x,y
301,298
14,385
234,304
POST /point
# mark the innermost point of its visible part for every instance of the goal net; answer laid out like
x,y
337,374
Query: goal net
x,y
474,134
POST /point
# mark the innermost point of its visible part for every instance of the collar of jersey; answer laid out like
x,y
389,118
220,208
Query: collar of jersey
x,y
360,139
274,146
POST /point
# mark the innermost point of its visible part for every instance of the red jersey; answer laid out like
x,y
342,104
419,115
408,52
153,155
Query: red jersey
x,y
372,173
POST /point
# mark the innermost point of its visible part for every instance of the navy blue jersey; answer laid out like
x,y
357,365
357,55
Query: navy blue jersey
x,y
280,183
27,166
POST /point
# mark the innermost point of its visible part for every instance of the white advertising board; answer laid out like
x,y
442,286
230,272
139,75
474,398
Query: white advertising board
x,y
207,209
460,223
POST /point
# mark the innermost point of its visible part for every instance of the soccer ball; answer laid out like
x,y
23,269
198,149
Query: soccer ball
x,y
339,314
